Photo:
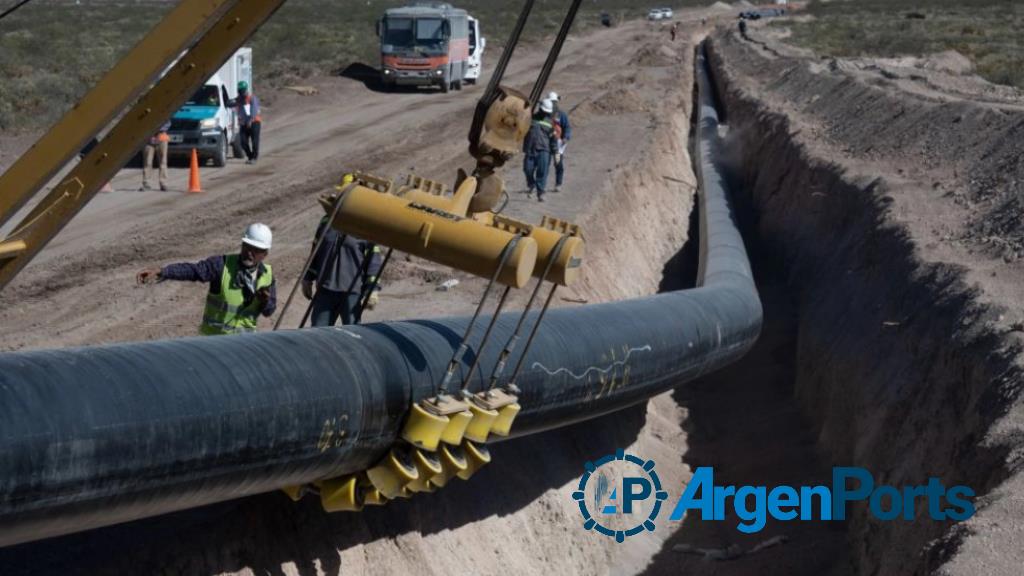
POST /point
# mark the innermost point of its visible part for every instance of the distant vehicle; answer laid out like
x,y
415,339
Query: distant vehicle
x,y
655,14
207,122
606,19
667,14
425,44
477,43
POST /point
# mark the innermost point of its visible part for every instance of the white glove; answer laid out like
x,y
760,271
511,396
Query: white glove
x,y
373,300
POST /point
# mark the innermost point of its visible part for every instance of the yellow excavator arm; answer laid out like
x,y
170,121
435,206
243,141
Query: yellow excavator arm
x,y
206,31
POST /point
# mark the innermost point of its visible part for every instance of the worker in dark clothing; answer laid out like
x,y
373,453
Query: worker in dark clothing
x,y
250,121
242,285
743,28
342,270
540,145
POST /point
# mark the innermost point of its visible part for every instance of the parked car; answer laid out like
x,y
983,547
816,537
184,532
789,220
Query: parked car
x,y
667,14
655,14
207,122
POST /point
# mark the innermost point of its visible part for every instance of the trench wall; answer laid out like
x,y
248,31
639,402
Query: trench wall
x,y
899,367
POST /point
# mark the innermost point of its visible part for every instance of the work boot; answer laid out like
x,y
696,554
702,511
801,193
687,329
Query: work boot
x,y
250,161
163,187
145,186
540,197
557,189
529,193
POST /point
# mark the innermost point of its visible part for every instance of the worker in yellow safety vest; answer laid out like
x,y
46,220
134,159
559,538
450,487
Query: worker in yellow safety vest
x,y
242,286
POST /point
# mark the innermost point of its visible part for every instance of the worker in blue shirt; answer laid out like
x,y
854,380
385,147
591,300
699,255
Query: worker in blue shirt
x,y
539,146
563,131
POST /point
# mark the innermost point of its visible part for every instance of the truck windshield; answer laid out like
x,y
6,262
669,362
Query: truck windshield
x,y
410,33
205,96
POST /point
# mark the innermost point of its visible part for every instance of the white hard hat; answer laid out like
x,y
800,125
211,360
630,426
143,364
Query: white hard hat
x,y
547,106
258,236
553,96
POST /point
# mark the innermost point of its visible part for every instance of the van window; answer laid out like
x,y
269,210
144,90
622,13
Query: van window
x,y
472,38
398,32
429,31
408,32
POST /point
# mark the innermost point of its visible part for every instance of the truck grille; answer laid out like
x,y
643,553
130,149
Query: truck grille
x,y
419,64
184,124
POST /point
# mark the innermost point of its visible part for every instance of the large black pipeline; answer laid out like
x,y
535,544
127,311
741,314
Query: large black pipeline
x,y
97,436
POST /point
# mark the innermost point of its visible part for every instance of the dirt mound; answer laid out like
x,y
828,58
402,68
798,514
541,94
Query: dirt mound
x,y
655,55
616,101
950,61
743,4
721,7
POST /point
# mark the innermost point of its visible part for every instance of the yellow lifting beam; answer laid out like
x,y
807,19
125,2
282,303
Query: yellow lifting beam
x,y
232,23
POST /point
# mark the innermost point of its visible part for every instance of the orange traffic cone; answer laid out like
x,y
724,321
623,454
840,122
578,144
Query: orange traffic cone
x,y
193,174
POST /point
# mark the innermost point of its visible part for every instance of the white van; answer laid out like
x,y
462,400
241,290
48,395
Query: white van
x,y
477,43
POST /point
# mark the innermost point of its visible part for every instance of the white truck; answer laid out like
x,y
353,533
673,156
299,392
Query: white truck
x,y
477,43
207,122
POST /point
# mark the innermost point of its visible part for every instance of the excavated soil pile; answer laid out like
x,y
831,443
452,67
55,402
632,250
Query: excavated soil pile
x,y
612,102
654,55
893,219
949,61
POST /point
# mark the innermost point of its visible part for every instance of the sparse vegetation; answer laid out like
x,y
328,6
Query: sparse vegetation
x,y
989,32
52,51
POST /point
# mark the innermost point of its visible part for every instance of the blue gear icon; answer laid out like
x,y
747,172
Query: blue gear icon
x,y
590,523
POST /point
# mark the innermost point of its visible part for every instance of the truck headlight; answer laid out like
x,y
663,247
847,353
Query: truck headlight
x,y
208,123
439,72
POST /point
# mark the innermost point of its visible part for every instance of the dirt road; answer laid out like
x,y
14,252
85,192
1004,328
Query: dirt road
x,y
80,290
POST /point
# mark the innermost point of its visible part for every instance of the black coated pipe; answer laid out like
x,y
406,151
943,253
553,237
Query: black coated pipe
x,y
96,436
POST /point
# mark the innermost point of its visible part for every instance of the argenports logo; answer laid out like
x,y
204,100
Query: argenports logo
x,y
620,495
626,495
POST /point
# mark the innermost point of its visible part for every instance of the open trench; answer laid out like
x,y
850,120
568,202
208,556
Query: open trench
x,y
871,356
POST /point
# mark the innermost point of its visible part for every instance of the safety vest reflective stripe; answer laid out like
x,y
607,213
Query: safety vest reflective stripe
x,y
222,328
213,301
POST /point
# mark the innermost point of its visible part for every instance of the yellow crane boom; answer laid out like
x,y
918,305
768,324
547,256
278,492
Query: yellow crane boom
x,y
207,31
